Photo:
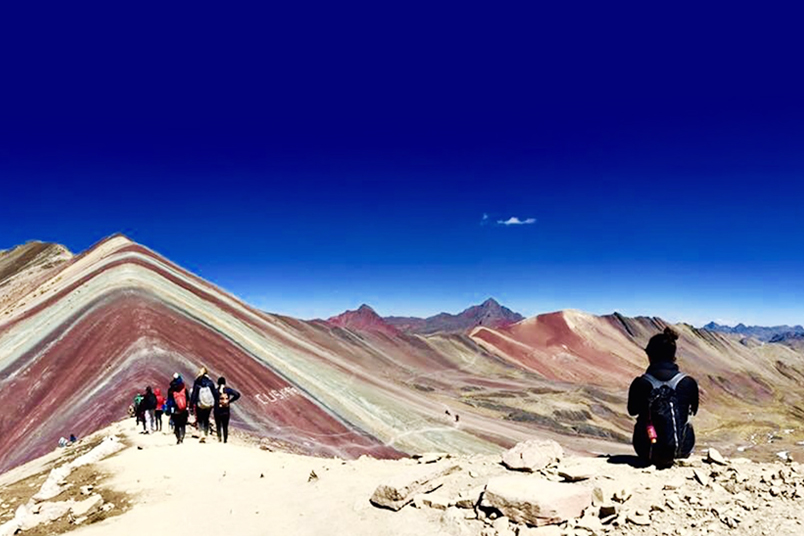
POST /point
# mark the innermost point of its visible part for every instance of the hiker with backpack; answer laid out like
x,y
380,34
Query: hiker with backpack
x,y
177,402
203,400
663,399
226,396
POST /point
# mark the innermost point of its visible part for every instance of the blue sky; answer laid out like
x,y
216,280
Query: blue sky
x,y
310,159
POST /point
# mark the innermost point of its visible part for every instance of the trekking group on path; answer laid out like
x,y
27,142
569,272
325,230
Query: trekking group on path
x,y
206,399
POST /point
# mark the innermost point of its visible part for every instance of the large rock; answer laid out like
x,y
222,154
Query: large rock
x,y
400,489
536,501
87,506
532,455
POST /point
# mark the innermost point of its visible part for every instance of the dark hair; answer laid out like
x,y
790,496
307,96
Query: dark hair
x,y
148,390
662,347
221,381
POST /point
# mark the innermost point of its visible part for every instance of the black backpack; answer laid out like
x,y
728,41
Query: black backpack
x,y
664,415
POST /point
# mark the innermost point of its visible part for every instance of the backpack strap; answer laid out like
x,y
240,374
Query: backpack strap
x,y
672,383
675,380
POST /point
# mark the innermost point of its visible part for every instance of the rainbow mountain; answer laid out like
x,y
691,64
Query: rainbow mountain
x,y
81,335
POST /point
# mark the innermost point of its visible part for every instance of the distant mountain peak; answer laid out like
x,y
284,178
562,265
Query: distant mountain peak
x,y
489,314
364,318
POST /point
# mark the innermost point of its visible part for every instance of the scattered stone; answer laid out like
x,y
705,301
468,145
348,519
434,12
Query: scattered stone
x,y
714,456
436,502
532,455
313,477
536,501
500,523
107,507
430,457
638,517
590,524
576,472
784,456
473,474
47,512
548,530
701,477
468,499
87,506
607,510
674,483
400,489
622,495
86,490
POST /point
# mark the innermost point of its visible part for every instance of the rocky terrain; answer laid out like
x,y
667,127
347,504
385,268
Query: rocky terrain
x,y
118,481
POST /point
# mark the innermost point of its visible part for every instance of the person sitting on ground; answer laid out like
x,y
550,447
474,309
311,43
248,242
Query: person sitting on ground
x,y
226,395
663,399
178,404
203,400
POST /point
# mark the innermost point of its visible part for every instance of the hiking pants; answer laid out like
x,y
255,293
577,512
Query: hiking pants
x,y
222,426
202,419
150,425
158,420
180,426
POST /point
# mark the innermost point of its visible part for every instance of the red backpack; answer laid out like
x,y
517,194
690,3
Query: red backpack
x,y
180,398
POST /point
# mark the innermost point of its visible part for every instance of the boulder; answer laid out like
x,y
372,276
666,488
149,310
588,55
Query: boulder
x,y
536,501
400,489
532,455
87,506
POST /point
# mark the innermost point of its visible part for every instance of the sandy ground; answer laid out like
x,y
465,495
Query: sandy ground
x,y
216,488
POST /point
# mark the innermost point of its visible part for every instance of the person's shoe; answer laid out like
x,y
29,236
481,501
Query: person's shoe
x,y
202,440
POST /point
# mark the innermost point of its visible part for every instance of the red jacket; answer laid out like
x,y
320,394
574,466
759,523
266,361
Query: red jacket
x,y
160,400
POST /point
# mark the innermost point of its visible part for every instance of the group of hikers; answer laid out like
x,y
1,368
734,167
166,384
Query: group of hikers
x,y
206,399
662,400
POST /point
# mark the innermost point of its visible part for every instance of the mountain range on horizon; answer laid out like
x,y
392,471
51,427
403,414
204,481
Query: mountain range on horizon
x,y
81,334
762,333
489,313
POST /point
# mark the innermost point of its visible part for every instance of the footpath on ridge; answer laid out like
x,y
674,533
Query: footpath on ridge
x,y
118,481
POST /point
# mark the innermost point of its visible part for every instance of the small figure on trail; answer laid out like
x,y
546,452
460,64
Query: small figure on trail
x,y
138,411
148,407
226,395
663,399
177,402
203,400
160,408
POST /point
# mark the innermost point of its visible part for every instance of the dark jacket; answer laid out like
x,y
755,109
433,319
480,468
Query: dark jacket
x,y
638,396
233,395
148,402
203,381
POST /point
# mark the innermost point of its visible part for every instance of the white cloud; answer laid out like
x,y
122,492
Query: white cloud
x,y
485,219
513,220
